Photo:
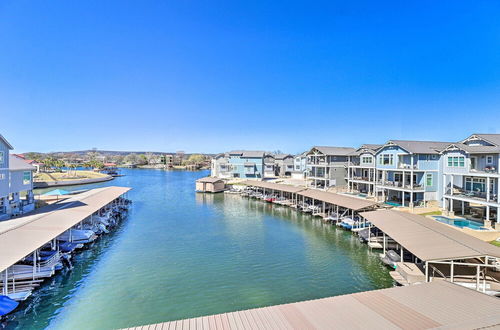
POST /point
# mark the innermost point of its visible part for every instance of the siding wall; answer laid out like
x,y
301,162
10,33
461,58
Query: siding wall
x,y
16,182
4,172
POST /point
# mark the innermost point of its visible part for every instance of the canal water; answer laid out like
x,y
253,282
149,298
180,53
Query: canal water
x,y
181,254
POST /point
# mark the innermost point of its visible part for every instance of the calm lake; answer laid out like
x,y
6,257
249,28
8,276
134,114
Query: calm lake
x,y
180,254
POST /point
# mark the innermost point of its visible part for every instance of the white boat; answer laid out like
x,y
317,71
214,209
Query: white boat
x,y
77,236
20,295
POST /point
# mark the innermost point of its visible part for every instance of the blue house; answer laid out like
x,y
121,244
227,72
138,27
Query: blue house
x,y
239,164
408,172
16,183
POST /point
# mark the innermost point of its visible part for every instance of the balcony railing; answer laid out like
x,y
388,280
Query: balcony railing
x,y
486,170
476,195
407,166
362,178
397,184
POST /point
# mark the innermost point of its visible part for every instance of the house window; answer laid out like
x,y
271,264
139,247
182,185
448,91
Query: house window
x,y
1,158
428,180
366,160
386,159
475,184
27,177
456,161
2,176
489,160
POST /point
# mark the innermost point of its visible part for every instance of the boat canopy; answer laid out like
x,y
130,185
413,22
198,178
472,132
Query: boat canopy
x,y
428,239
37,229
274,186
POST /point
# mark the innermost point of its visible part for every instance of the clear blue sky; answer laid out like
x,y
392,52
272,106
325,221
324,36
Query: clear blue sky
x,y
209,76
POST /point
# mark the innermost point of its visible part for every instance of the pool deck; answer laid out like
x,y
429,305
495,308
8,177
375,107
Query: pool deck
x,y
423,306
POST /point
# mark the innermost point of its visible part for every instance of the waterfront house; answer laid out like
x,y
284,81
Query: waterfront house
x,y
327,166
408,172
270,166
300,166
167,160
245,164
16,183
284,164
471,176
362,170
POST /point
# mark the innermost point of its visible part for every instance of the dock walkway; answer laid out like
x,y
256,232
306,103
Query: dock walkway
x,y
424,306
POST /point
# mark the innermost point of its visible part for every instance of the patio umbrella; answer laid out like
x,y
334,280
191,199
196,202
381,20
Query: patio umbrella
x,y
56,192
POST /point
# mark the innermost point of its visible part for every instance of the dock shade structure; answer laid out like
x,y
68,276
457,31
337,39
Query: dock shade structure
x,y
287,193
426,306
34,231
274,186
447,252
210,184
331,204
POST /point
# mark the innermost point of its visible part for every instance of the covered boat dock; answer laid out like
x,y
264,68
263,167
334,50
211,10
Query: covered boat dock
x,y
439,251
430,305
322,203
23,236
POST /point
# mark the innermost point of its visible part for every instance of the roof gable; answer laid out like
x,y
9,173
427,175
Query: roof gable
x,y
332,151
9,146
418,147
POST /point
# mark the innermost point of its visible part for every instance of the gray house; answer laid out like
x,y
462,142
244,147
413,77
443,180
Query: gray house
x,y
362,170
471,176
327,166
16,183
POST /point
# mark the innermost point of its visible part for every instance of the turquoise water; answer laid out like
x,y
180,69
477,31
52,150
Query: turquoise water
x,y
182,254
461,223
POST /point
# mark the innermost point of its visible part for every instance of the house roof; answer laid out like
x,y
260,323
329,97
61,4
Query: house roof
x,y
491,138
248,153
419,147
438,304
333,151
474,149
18,164
427,238
367,148
6,142
282,156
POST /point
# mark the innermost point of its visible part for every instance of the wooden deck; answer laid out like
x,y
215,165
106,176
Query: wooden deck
x,y
424,306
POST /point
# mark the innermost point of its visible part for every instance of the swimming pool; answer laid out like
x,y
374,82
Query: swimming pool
x,y
461,222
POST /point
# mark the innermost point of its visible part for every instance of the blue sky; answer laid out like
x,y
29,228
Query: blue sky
x,y
209,76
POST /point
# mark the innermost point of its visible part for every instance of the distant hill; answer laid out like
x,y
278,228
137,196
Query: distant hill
x,y
114,152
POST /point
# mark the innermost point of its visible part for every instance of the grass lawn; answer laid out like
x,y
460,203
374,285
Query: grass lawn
x,y
496,243
432,213
64,176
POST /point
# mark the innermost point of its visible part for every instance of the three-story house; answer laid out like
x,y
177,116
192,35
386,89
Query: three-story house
x,y
471,176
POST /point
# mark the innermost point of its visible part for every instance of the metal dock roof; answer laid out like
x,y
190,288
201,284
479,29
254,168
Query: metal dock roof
x,y
324,196
33,231
423,306
429,239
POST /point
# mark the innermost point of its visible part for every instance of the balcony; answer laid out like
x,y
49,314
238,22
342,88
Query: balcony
x,y
486,170
477,196
363,178
405,166
401,185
